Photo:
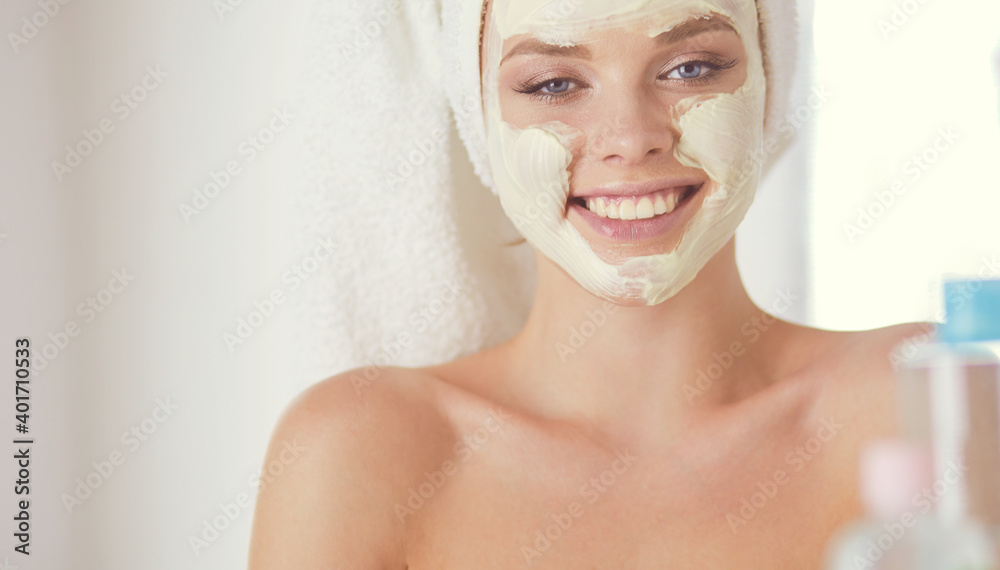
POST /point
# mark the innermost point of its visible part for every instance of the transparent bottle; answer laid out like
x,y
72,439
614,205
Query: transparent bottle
x,y
901,531
949,398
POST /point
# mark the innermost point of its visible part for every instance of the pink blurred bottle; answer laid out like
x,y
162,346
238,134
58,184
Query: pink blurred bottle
x,y
901,531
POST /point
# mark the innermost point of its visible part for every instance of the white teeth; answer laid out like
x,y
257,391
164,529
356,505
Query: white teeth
x,y
627,209
597,207
644,210
671,202
660,207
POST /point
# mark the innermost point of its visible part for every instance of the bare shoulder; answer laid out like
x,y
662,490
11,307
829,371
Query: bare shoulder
x,y
850,388
860,375
360,443
873,355
883,340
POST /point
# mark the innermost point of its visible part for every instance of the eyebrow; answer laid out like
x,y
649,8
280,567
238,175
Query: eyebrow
x,y
690,28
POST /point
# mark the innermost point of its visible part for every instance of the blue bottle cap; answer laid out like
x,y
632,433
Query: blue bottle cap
x,y
972,309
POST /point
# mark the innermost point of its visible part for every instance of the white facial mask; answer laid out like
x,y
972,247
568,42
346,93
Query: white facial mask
x,y
720,134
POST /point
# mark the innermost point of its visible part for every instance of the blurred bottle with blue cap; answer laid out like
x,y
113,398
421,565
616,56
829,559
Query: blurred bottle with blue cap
x,y
949,398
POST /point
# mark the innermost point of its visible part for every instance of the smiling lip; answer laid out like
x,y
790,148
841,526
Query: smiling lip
x,y
637,190
638,229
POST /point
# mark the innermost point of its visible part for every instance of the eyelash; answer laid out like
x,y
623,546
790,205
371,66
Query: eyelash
x,y
533,88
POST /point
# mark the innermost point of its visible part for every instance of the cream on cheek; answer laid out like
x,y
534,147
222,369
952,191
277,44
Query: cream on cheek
x,y
720,134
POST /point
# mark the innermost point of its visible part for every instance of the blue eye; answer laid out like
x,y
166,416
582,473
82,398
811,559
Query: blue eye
x,y
551,90
687,71
701,70
555,86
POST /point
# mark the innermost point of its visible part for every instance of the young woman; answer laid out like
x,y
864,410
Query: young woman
x,y
687,427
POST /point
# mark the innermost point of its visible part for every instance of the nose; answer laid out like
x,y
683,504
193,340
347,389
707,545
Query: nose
x,y
631,127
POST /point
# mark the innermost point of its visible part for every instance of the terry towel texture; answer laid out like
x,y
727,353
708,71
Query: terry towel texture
x,y
420,273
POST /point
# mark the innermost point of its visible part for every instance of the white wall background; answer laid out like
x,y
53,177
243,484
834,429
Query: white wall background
x,y
162,336
901,72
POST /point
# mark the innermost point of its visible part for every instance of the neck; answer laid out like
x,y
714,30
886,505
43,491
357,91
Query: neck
x,y
649,368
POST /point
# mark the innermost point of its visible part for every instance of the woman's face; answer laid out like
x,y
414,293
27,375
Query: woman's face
x,y
621,141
